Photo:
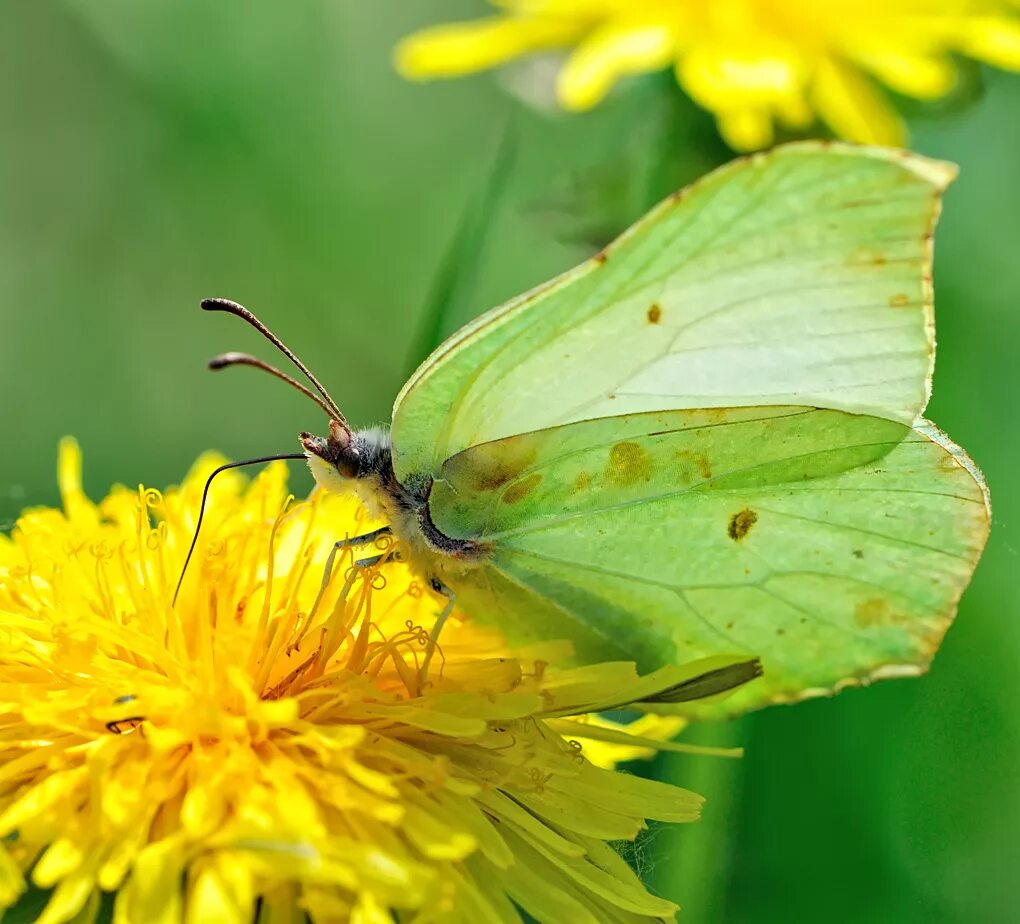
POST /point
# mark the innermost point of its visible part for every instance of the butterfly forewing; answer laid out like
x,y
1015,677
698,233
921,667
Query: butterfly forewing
x,y
801,276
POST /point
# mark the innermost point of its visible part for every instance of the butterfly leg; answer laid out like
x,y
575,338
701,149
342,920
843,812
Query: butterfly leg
x,y
327,572
339,546
376,559
364,539
359,564
440,588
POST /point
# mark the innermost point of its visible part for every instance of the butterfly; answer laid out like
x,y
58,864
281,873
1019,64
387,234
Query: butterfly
x,y
704,440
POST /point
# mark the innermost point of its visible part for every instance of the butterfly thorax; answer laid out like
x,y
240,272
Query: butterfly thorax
x,y
361,461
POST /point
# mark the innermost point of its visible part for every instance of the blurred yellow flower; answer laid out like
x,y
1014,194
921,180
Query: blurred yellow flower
x,y
268,748
750,62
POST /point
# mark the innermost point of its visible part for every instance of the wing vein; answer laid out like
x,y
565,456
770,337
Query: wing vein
x,y
633,578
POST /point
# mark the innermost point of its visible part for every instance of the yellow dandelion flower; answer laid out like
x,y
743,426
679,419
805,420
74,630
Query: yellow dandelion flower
x,y
271,748
750,62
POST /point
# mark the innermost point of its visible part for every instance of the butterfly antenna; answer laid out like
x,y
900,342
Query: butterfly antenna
x,y
205,497
243,359
225,304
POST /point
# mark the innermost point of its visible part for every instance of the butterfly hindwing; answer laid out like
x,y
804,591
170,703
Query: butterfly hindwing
x,y
833,546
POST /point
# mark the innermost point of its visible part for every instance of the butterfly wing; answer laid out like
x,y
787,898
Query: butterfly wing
x,y
833,546
800,276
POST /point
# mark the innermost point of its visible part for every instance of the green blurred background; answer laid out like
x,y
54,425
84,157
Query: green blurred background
x,y
157,152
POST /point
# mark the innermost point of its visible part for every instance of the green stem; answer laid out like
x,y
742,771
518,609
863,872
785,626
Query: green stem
x,y
461,261
693,861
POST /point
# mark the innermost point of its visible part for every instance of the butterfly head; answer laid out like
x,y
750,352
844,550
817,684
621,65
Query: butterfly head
x,y
334,459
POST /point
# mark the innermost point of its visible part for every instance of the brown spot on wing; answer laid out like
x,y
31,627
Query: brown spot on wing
x,y
900,300
741,523
628,463
582,482
494,465
691,462
949,465
874,611
519,490
867,256
655,314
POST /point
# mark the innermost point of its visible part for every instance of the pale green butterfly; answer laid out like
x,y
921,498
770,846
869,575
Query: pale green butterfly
x,y
705,440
